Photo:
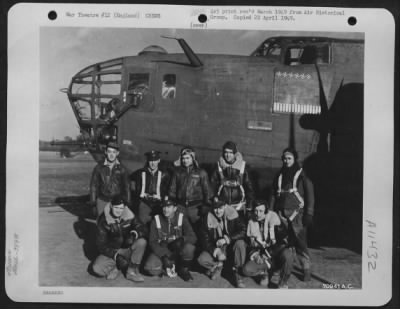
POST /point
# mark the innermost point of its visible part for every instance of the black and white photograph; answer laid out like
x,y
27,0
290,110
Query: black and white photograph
x,y
202,159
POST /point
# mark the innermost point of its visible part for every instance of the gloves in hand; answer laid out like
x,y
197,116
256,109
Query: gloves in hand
x,y
307,220
221,242
219,254
258,259
122,262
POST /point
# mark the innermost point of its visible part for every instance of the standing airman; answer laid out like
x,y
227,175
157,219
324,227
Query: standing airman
x,y
190,186
231,181
150,187
293,200
109,178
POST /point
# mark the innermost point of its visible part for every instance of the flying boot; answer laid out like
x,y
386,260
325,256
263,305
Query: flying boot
x,y
133,273
183,271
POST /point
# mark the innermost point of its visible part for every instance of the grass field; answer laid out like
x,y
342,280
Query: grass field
x,y
67,233
63,177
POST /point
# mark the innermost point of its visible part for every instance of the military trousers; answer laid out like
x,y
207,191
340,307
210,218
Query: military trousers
x,y
154,265
236,250
300,244
298,239
100,205
103,265
147,210
194,212
283,263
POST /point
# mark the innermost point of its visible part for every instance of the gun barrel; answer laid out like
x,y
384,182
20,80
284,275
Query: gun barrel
x,y
69,143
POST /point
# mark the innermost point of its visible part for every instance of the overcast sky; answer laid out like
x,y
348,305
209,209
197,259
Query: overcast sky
x,y
65,51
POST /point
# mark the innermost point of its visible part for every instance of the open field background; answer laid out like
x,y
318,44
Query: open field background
x,y
67,234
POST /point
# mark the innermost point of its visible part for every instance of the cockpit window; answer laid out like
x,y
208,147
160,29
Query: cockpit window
x,y
138,80
275,50
293,56
268,49
310,54
168,89
139,95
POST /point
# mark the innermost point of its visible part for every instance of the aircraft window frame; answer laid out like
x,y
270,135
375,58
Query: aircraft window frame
x,y
272,50
83,108
327,56
139,88
143,80
262,51
293,55
309,54
168,86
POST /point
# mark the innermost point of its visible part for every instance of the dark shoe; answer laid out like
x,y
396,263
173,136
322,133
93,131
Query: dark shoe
x,y
133,274
239,281
185,274
184,270
113,274
307,275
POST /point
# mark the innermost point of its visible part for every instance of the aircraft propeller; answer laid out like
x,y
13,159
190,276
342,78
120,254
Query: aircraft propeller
x,y
323,123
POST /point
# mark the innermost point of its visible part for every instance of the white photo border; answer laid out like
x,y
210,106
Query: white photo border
x,y
22,169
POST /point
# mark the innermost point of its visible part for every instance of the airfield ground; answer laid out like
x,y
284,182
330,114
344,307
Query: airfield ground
x,y
67,233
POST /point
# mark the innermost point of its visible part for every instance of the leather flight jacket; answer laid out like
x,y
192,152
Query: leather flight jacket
x,y
190,186
106,182
113,235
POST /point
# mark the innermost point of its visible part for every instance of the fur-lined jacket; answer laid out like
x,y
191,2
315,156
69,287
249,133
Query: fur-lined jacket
x,y
229,227
116,233
231,182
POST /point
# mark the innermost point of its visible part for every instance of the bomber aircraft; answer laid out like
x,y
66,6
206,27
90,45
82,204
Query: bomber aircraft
x,y
304,92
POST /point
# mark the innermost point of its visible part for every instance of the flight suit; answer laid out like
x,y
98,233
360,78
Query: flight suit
x,y
293,199
125,236
231,183
150,188
231,228
268,249
163,234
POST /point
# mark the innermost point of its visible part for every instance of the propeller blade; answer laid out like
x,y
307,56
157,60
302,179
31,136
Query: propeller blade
x,y
323,102
323,146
